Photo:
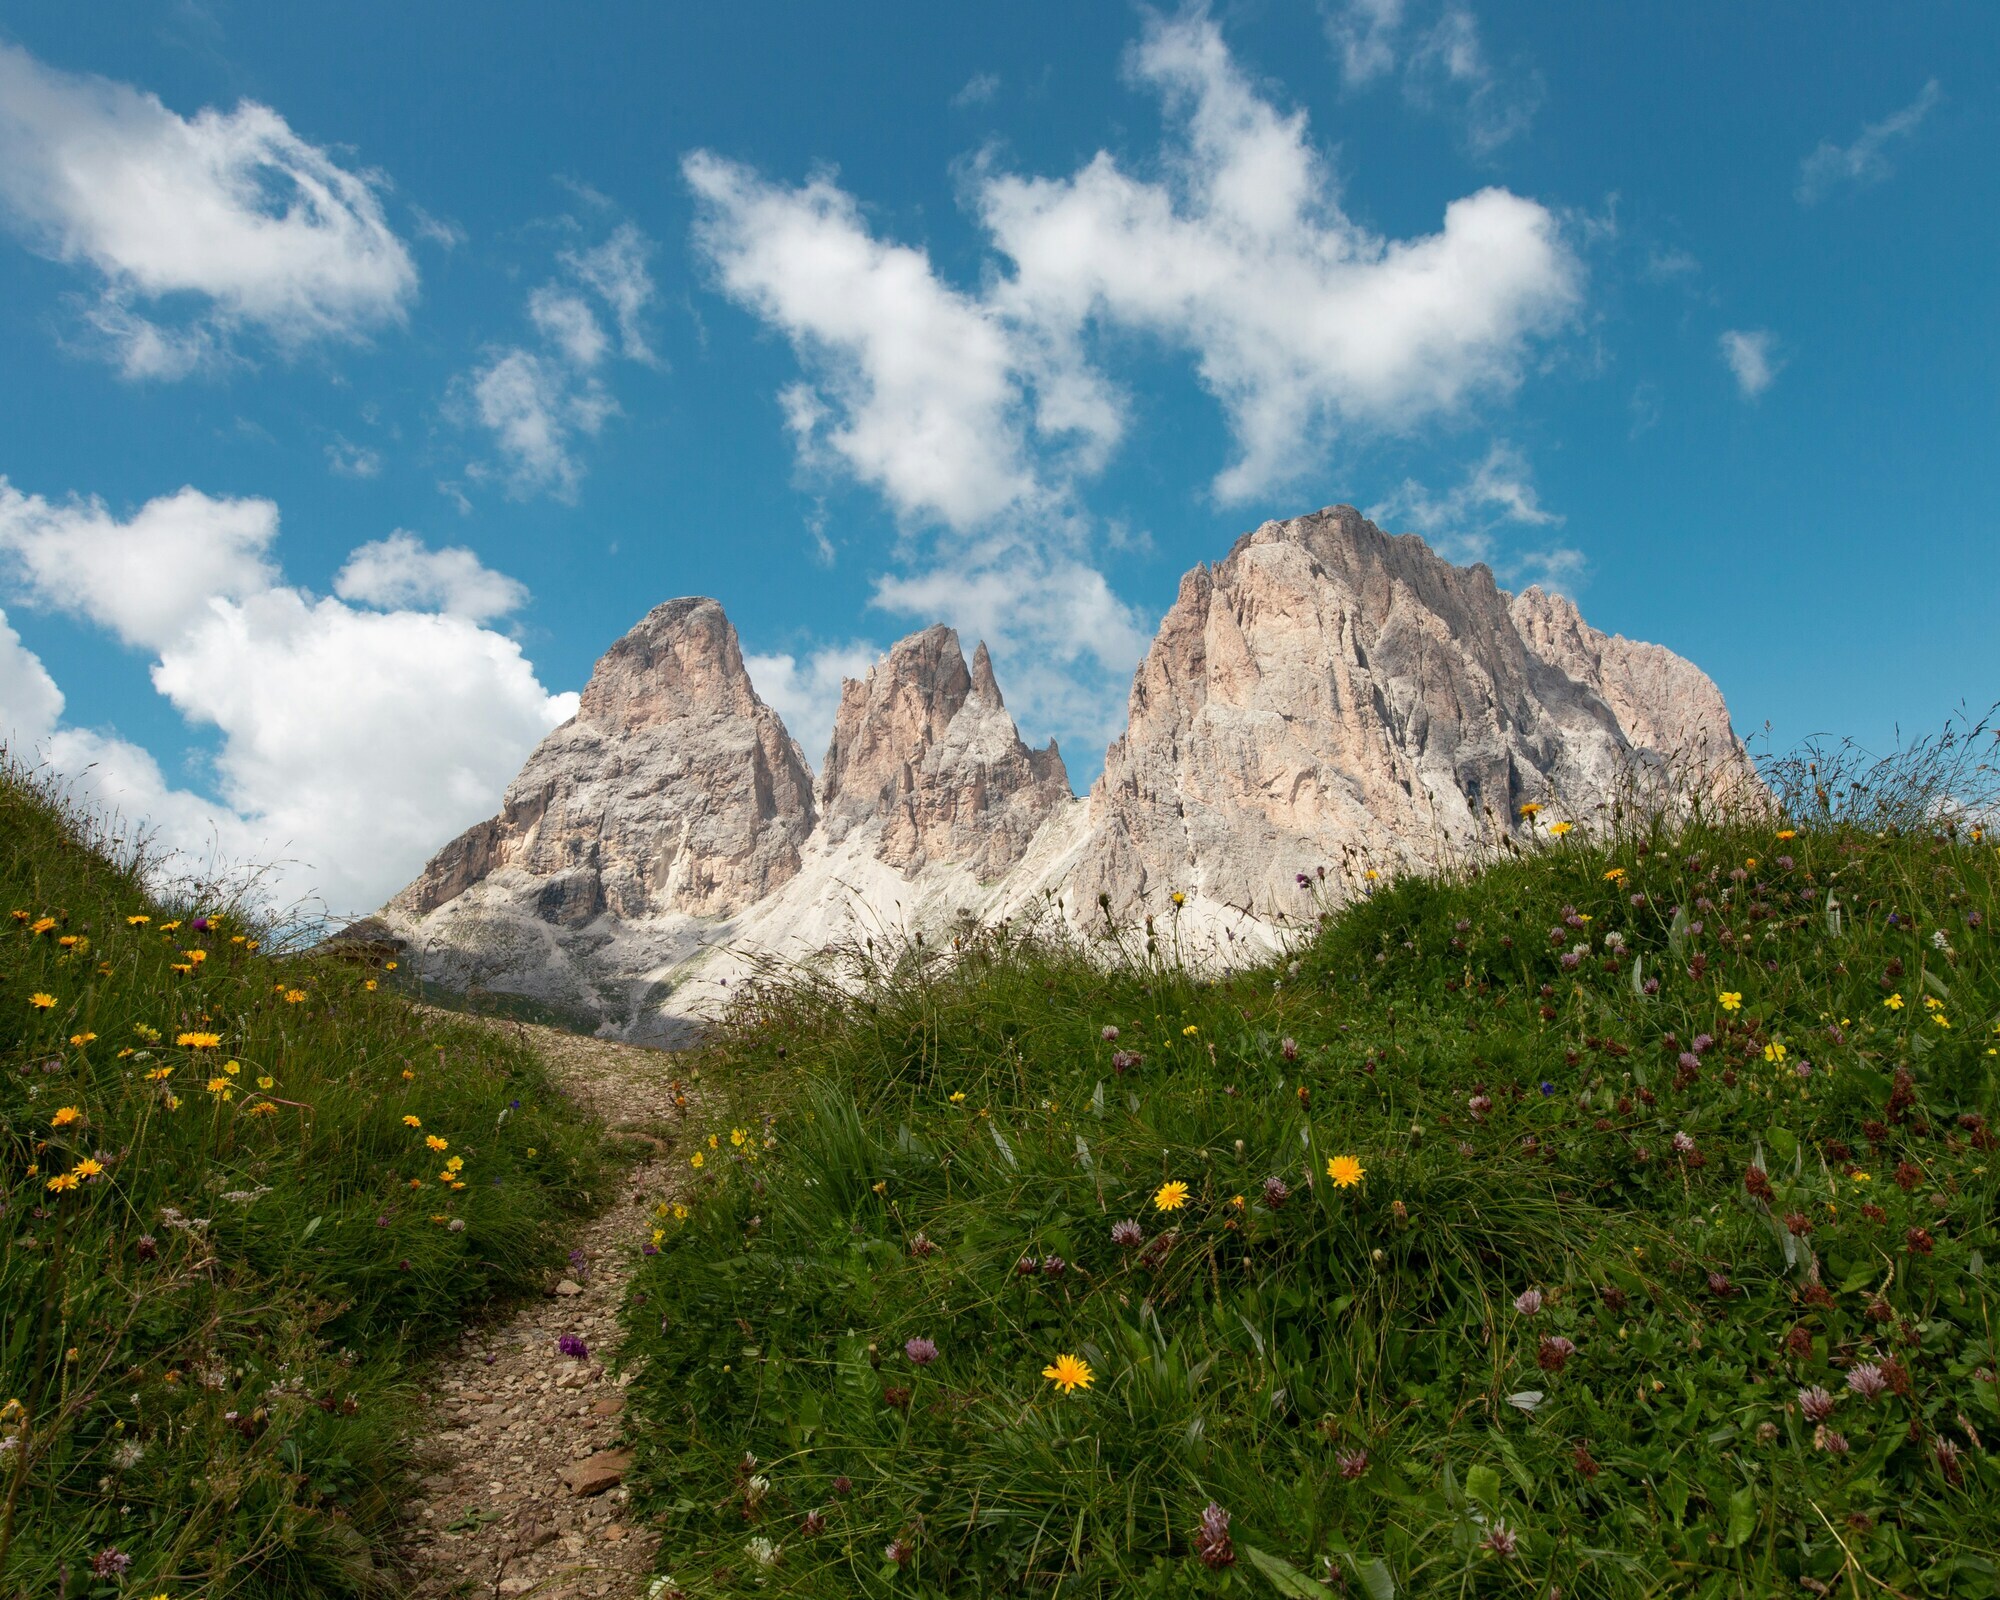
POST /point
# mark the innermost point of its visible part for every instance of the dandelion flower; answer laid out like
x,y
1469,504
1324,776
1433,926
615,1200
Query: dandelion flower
x,y
412,1122
62,1181
1345,1171
433,1142
1170,1197
1531,810
42,925
222,1087
42,1002
1068,1373
65,1115
1558,829
79,1040
89,1167
294,996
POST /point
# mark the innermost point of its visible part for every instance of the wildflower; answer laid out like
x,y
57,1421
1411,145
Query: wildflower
x,y
1531,810
1586,1463
736,1137
233,1068
1127,1235
62,1181
1558,829
812,1524
1053,1266
898,1550
89,1167
42,925
1352,1463
680,1211
922,1352
1276,1192
1775,1054
79,1040
1190,1031
1108,1033
699,1160
763,1552
1068,1373
266,1081
1170,1197
1345,1171
573,1347
65,1115
222,1088
413,1122
294,996
369,985
1211,1539
1866,1379
1479,1105
1684,1143
1815,1403
1730,1000
263,1108
1615,875
1894,1002
1788,833
42,1002
1528,1302
1947,1460
433,1142
1502,1540
1554,1353
110,1562
1178,898
958,1097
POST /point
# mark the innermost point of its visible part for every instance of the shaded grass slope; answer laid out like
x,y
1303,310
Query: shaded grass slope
x,y
1620,1220
238,1192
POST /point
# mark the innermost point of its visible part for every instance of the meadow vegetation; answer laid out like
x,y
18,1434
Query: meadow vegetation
x,y
1617,1220
239,1191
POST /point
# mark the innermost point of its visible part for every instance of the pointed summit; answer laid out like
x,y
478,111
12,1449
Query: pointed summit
x,y
984,688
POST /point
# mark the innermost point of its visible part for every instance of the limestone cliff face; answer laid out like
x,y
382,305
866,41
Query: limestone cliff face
x,y
673,789
925,753
1333,697
1328,700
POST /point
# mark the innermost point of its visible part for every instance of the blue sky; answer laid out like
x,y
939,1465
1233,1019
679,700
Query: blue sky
x,y
861,317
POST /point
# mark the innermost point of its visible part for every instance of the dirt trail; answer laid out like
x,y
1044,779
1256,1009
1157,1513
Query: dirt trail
x,y
513,1499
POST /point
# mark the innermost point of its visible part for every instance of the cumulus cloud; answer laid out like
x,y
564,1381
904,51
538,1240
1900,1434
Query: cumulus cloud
x,y
805,691
537,404
1301,322
352,741
233,211
1866,160
1751,356
399,572
145,578
1442,61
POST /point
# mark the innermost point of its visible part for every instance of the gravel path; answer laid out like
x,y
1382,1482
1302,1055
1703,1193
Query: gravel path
x,y
519,1493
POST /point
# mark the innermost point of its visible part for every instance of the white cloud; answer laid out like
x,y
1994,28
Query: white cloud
x,y
30,702
346,459
400,573
979,90
263,229
536,403
353,742
1301,322
535,406
145,578
617,271
1751,356
916,385
806,693
1865,161
1443,64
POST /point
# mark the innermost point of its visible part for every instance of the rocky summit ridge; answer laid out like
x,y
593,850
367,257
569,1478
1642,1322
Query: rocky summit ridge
x,y
1329,702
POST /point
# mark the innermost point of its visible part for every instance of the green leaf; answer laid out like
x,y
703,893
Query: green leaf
x,y
1742,1517
1785,1142
1374,1576
312,1228
1482,1483
1285,1578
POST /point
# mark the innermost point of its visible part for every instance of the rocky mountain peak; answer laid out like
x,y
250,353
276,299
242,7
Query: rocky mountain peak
x,y
925,753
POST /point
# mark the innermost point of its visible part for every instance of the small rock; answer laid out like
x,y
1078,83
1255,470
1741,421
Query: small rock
x,y
569,1286
605,1470
607,1408
615,1532
520,1583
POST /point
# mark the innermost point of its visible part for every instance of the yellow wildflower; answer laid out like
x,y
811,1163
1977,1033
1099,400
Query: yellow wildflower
x,y
412,1121
137,922
435,1143
698,1160
263,1108
42,925
1615,875
736,1137
65,1115
1170,1196
294,996
81,1039
1531,810
1558,829
1190,1031
1788,833
222,1088
1345,1171
266,1081
1894,1002
89,1167
1068,1373
199,1041
1730,1000
42,1002
62,1181
958,1097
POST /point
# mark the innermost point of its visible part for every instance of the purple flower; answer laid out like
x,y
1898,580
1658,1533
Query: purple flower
x,y
1571,961
1352,1463
1866,1379
573,1347
1479,1105
1701,1042
1123,1061
1528,1302
1054,1266
579,1264
1211,1539
1289,1049
1689,1061
200,924
1276,1191
1651,986
1108,1033
1502,1540
1127,1235
1684,1143
110,1562
1554,1353
1816,1403
812,1525
1547,1087
920,1351
898,1550
1304,881
1025,1267
1824,1438
1786,863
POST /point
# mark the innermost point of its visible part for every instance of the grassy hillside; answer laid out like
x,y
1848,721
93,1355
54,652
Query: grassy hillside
x,y
1620,1221
237,1193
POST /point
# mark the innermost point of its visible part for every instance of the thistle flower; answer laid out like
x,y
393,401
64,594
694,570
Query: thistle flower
x,y
1866,1379
1528,1302
1211,1539
1127,1235
922,1352
1815,1403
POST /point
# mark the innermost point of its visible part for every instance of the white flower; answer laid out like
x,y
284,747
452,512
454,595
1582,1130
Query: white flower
x,y
764,1552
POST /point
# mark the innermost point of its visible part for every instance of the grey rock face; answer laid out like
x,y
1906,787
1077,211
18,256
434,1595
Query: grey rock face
x,y
925,751
674,788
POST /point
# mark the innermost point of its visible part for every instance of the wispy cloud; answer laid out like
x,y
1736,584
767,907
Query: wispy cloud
x,y
1866,160
1440,57
1752,358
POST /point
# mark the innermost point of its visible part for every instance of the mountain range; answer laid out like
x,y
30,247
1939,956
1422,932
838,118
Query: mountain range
x,y
1325,707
